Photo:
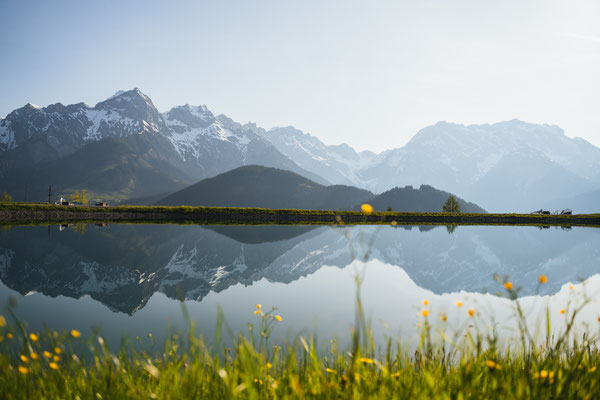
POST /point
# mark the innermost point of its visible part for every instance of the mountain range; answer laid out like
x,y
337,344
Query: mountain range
x,y
124,147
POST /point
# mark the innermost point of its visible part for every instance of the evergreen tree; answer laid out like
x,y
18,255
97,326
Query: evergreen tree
x,y
451,205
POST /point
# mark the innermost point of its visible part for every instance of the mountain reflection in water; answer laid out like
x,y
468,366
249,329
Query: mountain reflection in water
x,y
123,266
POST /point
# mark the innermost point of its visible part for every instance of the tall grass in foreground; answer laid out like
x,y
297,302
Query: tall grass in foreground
x,y
446,365
66,365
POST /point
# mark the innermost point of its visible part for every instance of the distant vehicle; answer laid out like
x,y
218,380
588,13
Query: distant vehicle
x,y
540,211
101,204
64,202
567,211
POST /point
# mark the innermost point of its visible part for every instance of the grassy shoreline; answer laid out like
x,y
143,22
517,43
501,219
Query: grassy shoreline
x,y
26,213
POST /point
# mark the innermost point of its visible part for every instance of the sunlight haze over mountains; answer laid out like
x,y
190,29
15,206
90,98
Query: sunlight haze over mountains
x,y
363,73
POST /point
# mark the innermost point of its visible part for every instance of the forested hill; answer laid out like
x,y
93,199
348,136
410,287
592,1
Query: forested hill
x,y
424,199
258,186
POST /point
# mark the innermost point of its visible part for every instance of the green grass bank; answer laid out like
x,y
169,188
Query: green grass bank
x,y
25,213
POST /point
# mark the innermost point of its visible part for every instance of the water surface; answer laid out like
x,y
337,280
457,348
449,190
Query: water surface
x,y
129,279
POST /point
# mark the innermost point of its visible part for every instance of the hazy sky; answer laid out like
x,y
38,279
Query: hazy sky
x,y
368,73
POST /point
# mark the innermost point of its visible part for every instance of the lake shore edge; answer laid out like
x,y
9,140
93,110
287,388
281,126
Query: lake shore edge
x,y
27,213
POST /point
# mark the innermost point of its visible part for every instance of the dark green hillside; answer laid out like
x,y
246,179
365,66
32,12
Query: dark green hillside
x,y
257,186
112,169
424,199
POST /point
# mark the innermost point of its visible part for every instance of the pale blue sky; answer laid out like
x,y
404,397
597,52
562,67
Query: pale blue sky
x,y
368,73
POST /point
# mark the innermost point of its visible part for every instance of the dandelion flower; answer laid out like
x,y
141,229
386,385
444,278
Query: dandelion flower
x,y
57,350
24,358
278,317
47,354
34,356
56,358
366,360
490,363
425,302
593,369
269,365
256,312
34,337
459,304
75,333
331,371
543,279
444,318
425,312
54,366
508,286
23,370
571,287
562,310
9,335
543,374
258,306
471,312
2,321
366,208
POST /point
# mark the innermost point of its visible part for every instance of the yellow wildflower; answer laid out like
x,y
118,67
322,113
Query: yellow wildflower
x,y
269,365
258,306
425,312
594,368
571,287
444,318
331,371
543,374
459,304
471,312
23,369
56,358
75,333
24,358
366,208
562,310
543,279
508,286
490,363
366,360
256,312
53,365
47,354
425,302
2,321
57,350
278,317
34,356
33,337
9,335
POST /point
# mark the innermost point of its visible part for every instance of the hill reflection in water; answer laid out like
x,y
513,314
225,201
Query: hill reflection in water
x,y
129,268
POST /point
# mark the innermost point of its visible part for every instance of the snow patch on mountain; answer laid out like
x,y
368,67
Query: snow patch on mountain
x,y
7,136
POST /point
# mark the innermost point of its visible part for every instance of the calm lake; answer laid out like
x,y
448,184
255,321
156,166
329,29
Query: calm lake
x,y
128,279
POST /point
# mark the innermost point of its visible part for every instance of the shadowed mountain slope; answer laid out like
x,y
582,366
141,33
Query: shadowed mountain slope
x,y
257,186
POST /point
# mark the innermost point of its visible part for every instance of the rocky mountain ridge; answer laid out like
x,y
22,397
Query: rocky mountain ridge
x,y
507,166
